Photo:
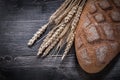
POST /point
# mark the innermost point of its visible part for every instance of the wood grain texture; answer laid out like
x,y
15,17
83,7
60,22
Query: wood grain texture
x,y
18,23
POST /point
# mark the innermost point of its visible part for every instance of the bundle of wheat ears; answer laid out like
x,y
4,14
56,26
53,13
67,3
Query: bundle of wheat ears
x,y
65,20
97,36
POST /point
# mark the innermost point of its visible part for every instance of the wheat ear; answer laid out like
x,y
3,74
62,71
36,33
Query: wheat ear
x,y
70,39
51,19
60,42
57,32
59,10
56,40
65,13
66,19
50,47
37,34
69,45
49,35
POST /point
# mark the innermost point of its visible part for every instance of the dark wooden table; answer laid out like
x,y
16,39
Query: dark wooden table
x,y
19,20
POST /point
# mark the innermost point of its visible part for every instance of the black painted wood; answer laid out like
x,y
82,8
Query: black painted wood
x,y
19,20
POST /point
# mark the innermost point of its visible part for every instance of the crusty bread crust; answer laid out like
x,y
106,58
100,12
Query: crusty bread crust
x,y
97,39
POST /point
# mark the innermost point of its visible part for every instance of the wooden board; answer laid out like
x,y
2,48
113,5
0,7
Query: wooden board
x,y
19,20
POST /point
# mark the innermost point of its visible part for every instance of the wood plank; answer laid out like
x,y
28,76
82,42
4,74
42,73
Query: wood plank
x,y
27,12
68,68
19,62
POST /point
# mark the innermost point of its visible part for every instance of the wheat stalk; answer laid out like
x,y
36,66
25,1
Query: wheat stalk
x,y
70,39
65,12
51,19
66,19
60,10
58,31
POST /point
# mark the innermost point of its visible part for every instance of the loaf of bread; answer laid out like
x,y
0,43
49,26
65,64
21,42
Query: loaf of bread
x,y
97,39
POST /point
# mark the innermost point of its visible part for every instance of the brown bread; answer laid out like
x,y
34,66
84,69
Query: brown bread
x,y
97,39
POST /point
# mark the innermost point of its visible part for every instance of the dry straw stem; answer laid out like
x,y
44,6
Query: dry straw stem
x,y
60,10
68,9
